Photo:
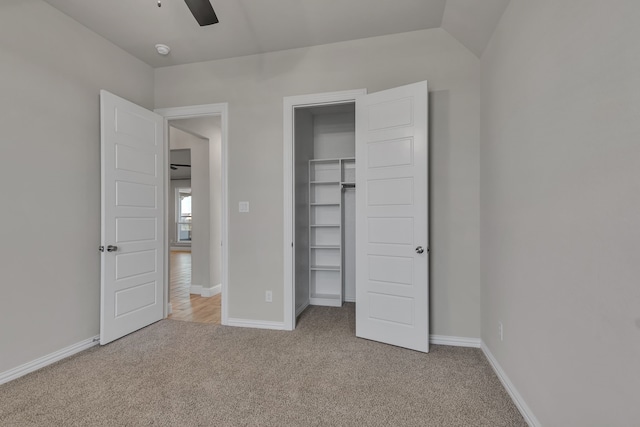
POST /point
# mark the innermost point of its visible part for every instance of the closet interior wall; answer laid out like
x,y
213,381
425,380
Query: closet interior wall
x,y
324,159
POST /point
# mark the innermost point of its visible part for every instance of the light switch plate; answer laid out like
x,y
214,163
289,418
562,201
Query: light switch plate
x,y
243,207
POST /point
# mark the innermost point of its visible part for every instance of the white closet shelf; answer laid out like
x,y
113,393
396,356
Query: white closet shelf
x,y
325,296
325,225
325,268
324,160
336,160
327,300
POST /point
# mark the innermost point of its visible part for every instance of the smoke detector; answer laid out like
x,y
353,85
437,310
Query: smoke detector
x,y
163,49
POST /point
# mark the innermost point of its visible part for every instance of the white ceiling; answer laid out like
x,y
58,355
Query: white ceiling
x,y
257,26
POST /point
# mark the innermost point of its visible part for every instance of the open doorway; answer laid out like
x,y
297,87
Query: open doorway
x,y
135,187
194,219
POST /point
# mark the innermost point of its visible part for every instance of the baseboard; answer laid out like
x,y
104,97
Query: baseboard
x,y
180,248
47,360
258,324
511,389
205,292
302,308
349,299
214,290
169,308
454,341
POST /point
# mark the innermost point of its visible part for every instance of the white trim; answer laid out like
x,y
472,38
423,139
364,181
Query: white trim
x,y
205,292
350,299
511,389
180,248
47,360
221,110
454,341
290,103
258,324
214,290
169,308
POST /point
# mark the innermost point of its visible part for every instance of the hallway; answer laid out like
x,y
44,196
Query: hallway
x,y
185,306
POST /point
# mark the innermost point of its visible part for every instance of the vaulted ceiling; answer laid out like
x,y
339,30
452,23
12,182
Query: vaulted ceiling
x,y
257,26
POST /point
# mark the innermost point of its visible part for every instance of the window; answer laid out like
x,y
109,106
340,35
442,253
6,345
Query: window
x,y
183,216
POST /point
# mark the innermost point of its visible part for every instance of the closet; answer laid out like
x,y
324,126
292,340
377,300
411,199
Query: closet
x,y
324,193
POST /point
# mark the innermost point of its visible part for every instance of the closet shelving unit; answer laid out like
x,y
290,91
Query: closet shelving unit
x,y
327,178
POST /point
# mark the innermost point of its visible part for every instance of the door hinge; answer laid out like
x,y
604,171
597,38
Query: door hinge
x,y
101,248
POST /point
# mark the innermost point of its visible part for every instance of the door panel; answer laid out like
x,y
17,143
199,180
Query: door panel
x,y
392,278
386,192
132,281
390,153
135,195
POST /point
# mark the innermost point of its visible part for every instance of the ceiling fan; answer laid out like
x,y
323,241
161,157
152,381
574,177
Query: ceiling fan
x,y
201,10
175,166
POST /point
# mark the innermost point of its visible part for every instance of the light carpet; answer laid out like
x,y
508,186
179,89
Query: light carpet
x,y
177,373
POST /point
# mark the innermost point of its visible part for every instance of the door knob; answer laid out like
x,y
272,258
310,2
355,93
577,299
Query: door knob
x,y
112,248
419,249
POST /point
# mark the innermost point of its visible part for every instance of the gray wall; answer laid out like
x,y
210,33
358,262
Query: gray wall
x,y
201,223
560,207
52,71
254,87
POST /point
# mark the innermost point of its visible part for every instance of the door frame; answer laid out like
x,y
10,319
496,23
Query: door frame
x,y
290,103
189,112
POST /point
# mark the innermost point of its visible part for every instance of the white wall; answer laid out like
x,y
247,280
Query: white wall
x,y
254,87
210,128
200,223
334,135
52,71
560,207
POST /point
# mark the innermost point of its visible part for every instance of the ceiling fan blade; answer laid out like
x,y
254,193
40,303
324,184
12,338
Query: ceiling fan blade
x,y
202,11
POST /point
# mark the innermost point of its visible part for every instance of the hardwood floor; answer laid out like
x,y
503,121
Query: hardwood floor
x,y
184,306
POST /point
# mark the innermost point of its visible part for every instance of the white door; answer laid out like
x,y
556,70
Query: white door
x,y
132,229
392,268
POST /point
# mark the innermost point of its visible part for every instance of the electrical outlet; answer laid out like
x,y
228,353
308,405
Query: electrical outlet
x,y
268,296
500,331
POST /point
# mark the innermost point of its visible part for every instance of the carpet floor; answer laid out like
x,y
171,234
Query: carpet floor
x,y
175,373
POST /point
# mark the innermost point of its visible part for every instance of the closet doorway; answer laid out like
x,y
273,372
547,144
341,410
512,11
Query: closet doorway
x,y
324,158
371,148
320,181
